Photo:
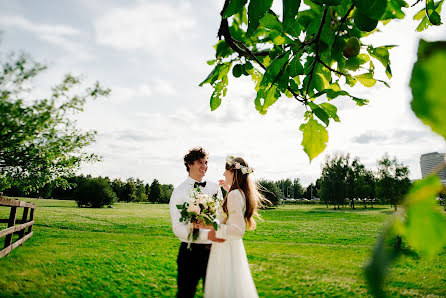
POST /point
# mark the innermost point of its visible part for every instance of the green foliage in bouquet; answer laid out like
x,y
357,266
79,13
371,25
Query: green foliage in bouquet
x,y
200,208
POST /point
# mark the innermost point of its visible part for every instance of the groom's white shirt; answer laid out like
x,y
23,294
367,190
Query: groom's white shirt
x,y
180,195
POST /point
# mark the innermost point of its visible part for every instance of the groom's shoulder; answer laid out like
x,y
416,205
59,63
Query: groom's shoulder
x,y
182,185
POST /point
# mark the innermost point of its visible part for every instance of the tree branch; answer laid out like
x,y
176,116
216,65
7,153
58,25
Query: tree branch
x,y
418,1
343,20
316,58
242,49
329,68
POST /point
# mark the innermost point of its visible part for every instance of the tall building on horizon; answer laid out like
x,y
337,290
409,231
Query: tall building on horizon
x,y
430,161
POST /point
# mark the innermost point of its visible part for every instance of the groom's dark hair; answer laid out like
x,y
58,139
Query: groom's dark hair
x,y
194,154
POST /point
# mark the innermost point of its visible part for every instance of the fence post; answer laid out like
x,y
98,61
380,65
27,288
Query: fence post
x,y
24,217
31,218
11,222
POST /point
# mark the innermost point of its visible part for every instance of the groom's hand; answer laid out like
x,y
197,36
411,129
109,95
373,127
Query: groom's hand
x,y
211,236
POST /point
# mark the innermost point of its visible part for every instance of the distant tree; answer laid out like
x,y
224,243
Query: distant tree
x,y
357,187
392,180
298,190
271,191
334,180
155,192
94,192
118,187
129,192
39,140
165,193
140,191
309,192
147,187
286,186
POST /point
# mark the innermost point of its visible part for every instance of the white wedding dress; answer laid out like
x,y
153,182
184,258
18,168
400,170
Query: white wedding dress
x,y
228,274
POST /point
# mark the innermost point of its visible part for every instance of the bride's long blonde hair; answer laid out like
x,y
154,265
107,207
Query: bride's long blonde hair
x,y
249,188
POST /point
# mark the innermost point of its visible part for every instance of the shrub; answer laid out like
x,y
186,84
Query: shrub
x,y
94,192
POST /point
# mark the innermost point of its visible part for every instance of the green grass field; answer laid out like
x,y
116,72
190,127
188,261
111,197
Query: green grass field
x,y
130,250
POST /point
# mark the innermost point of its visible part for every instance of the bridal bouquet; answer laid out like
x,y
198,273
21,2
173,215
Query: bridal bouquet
x,y
200,207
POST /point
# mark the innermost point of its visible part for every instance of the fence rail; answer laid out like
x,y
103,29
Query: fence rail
x,y
21,227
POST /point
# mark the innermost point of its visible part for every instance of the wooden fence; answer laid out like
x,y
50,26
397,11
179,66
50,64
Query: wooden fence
x,y
16,226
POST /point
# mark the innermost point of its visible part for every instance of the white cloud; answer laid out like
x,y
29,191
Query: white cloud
x,y
164,87
43,29
56,34
153,27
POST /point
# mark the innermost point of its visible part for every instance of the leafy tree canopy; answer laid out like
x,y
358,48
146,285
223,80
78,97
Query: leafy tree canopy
x,y
314,52
39,140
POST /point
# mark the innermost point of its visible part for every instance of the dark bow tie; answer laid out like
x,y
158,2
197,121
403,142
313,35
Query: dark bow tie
x,y
203,184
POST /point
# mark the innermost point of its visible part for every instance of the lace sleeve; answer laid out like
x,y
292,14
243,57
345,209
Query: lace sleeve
x,y
234,228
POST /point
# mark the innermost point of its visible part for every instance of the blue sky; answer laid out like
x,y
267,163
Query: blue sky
x,y
153,54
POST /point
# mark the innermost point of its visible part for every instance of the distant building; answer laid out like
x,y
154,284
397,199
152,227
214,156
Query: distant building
x,y
430,161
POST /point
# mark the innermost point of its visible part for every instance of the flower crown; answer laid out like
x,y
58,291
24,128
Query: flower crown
x,y
245,170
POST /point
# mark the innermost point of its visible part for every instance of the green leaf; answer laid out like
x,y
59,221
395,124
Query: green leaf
x,y
388,71
360,102
321,82
331,110
237,71
319,112
274,68
366,79
428,85
234,7
377,268
350,80
219,91
425,224
279,39
422,15
315,138
224,70
295,67
222,49
380,53
327,2
271,97
290,10
256,10
373,9
271,22
363,22
248,66
212,77
432,15
394,10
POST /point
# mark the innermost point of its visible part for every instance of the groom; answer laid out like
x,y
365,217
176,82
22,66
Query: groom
x,y
192,262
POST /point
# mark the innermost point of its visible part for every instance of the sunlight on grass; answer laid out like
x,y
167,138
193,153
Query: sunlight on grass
x,y
130,250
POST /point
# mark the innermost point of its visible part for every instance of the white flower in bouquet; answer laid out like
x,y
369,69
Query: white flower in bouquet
x,y
199,208
194,209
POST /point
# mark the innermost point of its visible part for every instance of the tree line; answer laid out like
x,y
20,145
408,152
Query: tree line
x,y
90,191
346,181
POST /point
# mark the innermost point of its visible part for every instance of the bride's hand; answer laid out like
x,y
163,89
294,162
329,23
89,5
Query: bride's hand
x,y
201,225
213,238
223,184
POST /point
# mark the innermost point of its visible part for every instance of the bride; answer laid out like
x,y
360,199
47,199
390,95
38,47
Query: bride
x,y
228,273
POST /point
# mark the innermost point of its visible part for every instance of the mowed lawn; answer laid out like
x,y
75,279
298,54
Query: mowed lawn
x,y
130,250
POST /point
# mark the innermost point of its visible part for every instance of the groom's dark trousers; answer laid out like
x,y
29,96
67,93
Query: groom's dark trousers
x,y
192,264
